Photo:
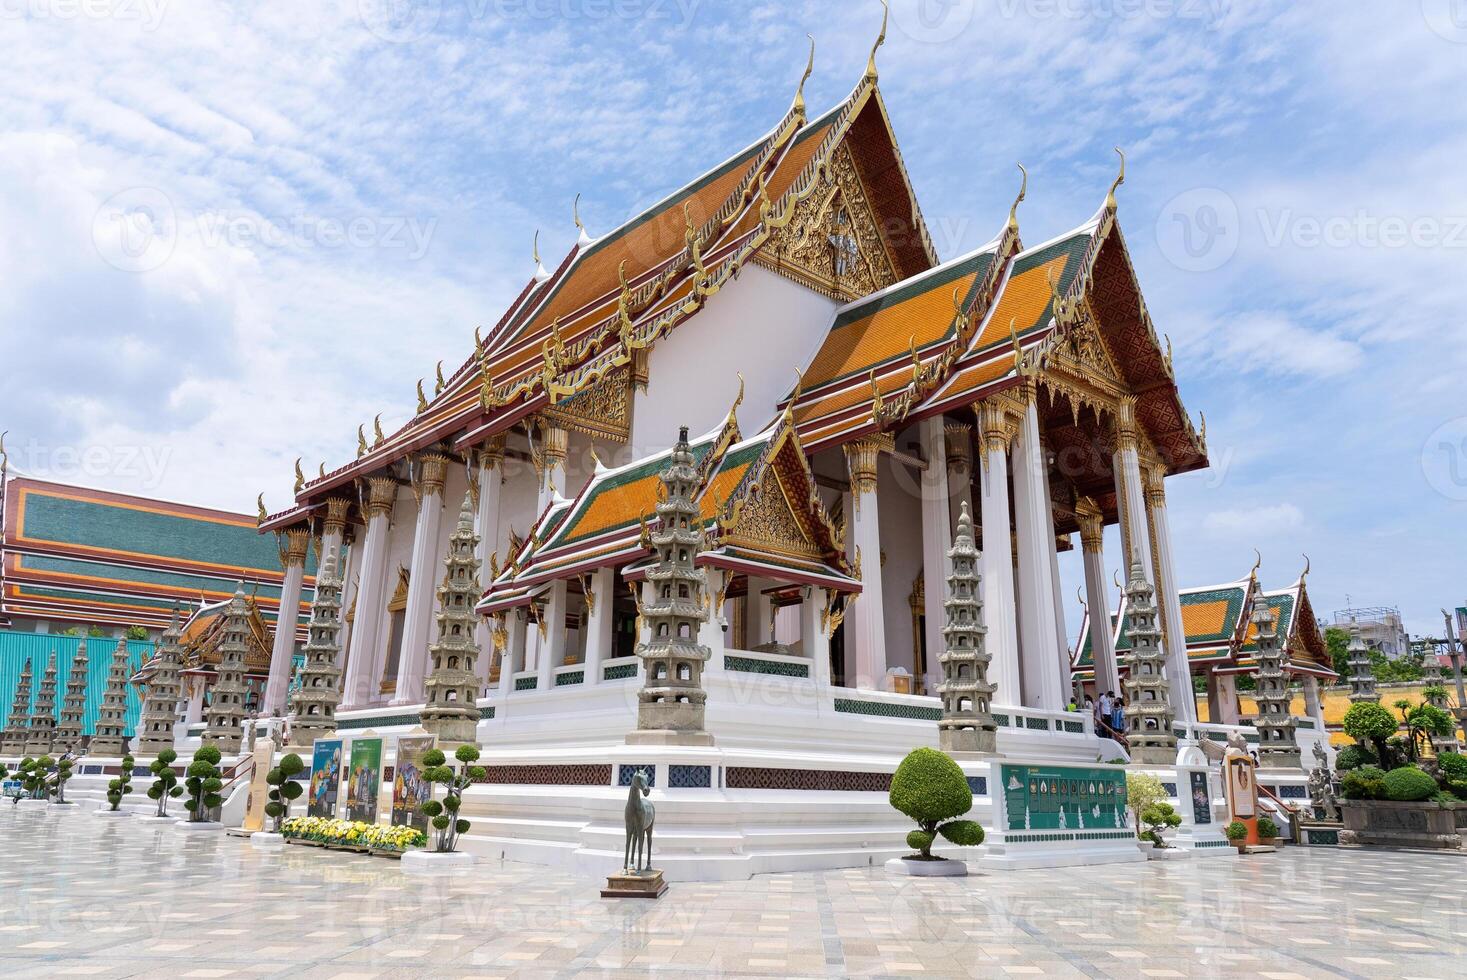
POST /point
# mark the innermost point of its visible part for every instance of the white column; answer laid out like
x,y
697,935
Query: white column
x,y
554,444
1097,598
998,556
813,640
195,711
486,516
282,650
1179,669
760,627
936,539
425,572
710,631
515,623
361,684
1229,711
1314,704
1043,687
599,636
959,468
1127,464
551,652
869,634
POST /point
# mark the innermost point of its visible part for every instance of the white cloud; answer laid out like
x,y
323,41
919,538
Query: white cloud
x,y
1254,523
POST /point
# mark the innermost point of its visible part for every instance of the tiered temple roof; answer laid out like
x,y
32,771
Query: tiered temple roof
x,y
72,554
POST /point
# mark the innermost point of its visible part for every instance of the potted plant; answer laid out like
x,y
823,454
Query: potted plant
x,y
1158,818
1237,832
1268,831
1144,790
119,787
931,789
202,782
443,816
283,790
165,782
63,773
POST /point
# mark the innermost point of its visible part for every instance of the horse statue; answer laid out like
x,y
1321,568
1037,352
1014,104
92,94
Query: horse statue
x,y
640,815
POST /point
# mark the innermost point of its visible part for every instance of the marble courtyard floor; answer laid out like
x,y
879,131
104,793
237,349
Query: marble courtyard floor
x,y
92,896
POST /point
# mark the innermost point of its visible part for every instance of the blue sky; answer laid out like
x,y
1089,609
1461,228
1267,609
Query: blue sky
x,y
339,192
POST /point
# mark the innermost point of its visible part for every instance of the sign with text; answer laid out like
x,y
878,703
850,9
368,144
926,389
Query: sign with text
x,y
1063,798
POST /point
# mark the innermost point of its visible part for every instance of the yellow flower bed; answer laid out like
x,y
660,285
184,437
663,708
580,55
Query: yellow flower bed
x,y
353,833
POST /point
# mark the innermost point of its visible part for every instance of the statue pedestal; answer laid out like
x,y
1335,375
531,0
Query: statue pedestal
x,y
422,862
635,884
939,868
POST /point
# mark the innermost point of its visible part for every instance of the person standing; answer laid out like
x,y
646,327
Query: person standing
x,y
1103,712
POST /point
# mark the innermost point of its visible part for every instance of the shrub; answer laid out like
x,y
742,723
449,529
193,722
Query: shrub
x,y
447,824
33,774
203,784
1458,788
1409,783
1353,757
1370,724
283,789
122,785
1365,783
1236,831
165,780
919,840
1267,829
1452,765
1158,818
929,787
63,773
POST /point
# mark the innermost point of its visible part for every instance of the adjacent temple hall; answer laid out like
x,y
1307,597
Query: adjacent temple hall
x,y
848,393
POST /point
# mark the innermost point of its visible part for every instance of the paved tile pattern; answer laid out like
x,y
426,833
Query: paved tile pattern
x,y
92,896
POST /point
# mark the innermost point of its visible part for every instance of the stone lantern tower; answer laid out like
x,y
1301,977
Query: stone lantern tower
x,y
452,689
1277,746
313,704
43,718
967,723
160,707
74,704
1148,707
112,715
227,697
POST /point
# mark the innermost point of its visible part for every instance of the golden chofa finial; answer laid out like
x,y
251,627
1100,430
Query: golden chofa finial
x,y
880,40
4,457
1110,196
582,237
361,441
377,435
1257,563
1014,208
478,340
1305,574
300,477
260,506
439,384
422,398
540,274
321,471
799,104
739,398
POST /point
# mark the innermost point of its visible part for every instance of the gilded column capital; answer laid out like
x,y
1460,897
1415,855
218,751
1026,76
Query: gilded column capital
x,y
1127,436
336,510
430,475
491,454
1153,479
293,549
554,446
861,456
997,424
958,437
1092,524
381,495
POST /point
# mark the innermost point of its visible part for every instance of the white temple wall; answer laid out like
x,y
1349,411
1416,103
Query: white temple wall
x,y
901,541
518,496
762,325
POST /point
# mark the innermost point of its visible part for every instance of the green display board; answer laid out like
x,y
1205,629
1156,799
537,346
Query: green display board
x,y
1064,797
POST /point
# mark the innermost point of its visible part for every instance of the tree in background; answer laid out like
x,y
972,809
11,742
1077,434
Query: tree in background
x,y
446,822
283,789
165,780
203,783
122,785
1423,721
136,633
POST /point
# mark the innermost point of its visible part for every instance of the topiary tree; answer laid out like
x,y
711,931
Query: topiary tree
x,y
1158,818
33,776
203,784
1365,783
1371,724
1408,783
447,824
122,785
929,787
1353,757
284,789
63,773
165,780
1143,790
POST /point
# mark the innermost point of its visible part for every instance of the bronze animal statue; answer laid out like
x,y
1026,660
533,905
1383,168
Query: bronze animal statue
x,y
640,815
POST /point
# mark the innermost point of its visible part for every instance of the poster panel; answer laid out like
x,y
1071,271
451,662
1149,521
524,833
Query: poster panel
x,y
325,777
1201,799
409,789
364,779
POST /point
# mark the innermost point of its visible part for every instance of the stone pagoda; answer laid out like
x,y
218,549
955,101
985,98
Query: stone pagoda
x,y
226,713
313,703
1148,704
1277,746
43,719
111,736
1362,675
12,741
670,704
967,723
450,710
1435,695
160,707
73,704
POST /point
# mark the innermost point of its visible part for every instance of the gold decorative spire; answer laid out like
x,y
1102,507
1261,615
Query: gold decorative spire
x,y
322,470
260,506
377,435
1304,574
361,441
422,399
1014,208
916,360
799,105
1110,197
880,40
540,274
439,384
300,478
1253,572
478,340
739,398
